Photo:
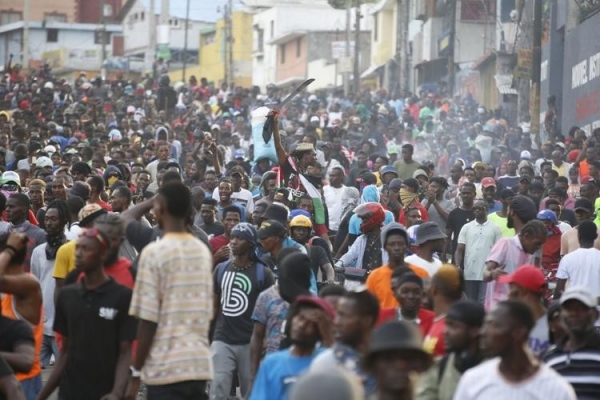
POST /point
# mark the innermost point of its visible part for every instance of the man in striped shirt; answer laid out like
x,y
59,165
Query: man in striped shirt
x,y
173,303
577,356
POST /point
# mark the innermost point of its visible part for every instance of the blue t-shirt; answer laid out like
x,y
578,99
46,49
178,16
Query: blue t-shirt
x,y
277,373
494,207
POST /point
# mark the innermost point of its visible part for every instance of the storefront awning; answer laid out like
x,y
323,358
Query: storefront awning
x,y
372,71
504,84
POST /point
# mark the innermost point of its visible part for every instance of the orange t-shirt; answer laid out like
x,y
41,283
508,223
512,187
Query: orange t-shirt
x,y
9,311
379,283
584,169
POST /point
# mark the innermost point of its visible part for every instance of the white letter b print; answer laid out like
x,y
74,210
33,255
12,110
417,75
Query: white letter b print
x,y
235,289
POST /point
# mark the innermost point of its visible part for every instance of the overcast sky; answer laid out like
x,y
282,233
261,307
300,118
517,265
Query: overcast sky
x,y
202,10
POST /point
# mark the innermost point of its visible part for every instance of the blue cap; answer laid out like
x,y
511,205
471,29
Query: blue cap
x,y
296,212
389,168
547,215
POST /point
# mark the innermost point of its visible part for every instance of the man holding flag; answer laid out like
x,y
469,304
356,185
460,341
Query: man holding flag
x,y
293,174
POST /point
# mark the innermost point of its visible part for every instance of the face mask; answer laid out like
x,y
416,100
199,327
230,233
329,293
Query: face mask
x,y
112,180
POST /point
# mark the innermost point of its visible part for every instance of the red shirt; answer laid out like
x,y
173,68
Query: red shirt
x,y
104,205
434,341
217,242
425,318
551,249
120,271
415,204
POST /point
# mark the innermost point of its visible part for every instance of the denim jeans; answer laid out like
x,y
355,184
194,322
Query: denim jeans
x,y
187,390
32,387
49,348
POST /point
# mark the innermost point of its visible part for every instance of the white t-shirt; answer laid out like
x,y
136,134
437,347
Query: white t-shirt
x,y
563,226
539,337
334,199
243,197
478,240
430,267
582,268
485,382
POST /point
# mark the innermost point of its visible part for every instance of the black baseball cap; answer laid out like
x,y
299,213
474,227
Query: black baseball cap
x,y
583,204
271,228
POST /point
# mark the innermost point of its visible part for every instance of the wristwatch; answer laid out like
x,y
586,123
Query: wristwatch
x,y
135,373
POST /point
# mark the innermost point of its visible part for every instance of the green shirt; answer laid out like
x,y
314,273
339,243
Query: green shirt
x,y
405,170
502,223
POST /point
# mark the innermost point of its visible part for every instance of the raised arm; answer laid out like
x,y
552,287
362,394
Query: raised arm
x,y
281,153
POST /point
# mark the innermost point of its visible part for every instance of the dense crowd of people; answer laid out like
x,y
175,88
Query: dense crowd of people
x,y
188,241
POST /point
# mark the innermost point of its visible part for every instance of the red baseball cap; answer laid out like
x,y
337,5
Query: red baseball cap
x,y
317,302
488,182
587,179
528,277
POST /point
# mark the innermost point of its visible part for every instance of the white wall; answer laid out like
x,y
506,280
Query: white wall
x,y
324,75
80,49
137,32
470,41
289,18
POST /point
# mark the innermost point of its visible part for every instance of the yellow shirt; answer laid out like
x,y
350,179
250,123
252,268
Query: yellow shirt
x,y
563,170
65,260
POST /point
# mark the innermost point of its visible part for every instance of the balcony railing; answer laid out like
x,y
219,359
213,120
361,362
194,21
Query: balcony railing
x,y
588,8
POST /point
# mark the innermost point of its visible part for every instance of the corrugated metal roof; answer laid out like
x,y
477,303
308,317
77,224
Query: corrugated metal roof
x,y
504,84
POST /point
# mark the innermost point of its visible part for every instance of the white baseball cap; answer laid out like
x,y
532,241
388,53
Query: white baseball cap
x,y
525,155
43,162
50,149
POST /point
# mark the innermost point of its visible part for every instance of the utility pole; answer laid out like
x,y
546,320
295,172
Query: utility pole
x,y
525,43
452,40
25,55
151,53
185,38
164,12
103,64
536,61
230,42
346,74
356,72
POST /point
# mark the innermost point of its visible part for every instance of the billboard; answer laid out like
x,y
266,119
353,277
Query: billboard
x,y
581,77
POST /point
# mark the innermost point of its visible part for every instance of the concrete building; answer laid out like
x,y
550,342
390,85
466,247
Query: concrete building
x,y
65,46
43,10
292,17
302,55
570,68
137,31
211,53
82,11
428,32
474,37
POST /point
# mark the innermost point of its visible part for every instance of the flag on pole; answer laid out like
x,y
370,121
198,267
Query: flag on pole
x,y
317,200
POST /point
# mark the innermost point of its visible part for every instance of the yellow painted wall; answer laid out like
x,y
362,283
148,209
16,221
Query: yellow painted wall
x,y
384,48
211,56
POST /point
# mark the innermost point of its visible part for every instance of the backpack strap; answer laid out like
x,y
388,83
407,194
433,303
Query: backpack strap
x,y
221,268
260,272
